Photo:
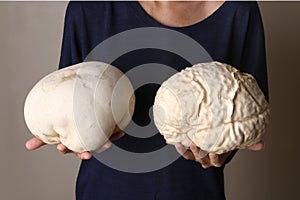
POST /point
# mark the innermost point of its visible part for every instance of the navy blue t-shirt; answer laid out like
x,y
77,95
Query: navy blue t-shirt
x,y
233,34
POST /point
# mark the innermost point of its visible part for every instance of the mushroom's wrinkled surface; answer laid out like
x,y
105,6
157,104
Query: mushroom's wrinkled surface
x,y
80,106
213,105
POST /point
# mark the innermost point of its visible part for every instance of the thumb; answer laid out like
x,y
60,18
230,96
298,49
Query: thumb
x,y
34,143
257,147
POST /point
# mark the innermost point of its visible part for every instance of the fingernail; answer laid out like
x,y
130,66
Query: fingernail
x,y
106,146
58,147
27,145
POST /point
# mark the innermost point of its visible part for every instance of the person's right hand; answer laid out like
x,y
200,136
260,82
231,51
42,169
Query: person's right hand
x,y
35,143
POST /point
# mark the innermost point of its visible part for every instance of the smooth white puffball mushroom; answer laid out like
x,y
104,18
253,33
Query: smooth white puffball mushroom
x,y
80,106
213,105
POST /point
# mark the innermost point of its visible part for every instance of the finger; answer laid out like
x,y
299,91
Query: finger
x,y
34,143
205,162
257,147
196,151
63,149
184,152
117,136
189,155
84,155
180,148
215,160
104,147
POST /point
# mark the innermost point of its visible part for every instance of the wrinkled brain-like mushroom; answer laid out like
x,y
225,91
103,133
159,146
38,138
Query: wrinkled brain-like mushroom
x,y
213,105
80,106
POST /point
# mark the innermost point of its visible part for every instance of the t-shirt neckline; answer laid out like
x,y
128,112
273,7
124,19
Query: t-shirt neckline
x,y
144,16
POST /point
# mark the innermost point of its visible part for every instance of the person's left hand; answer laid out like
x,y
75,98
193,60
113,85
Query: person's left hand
x,y
211,159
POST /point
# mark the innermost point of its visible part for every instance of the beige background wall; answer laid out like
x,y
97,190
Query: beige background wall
x,y
30,38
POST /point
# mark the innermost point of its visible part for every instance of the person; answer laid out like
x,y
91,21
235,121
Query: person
x,y
231,32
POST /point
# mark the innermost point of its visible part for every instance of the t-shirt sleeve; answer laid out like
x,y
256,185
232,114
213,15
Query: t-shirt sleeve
x,y
70,49
254,54
253,59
